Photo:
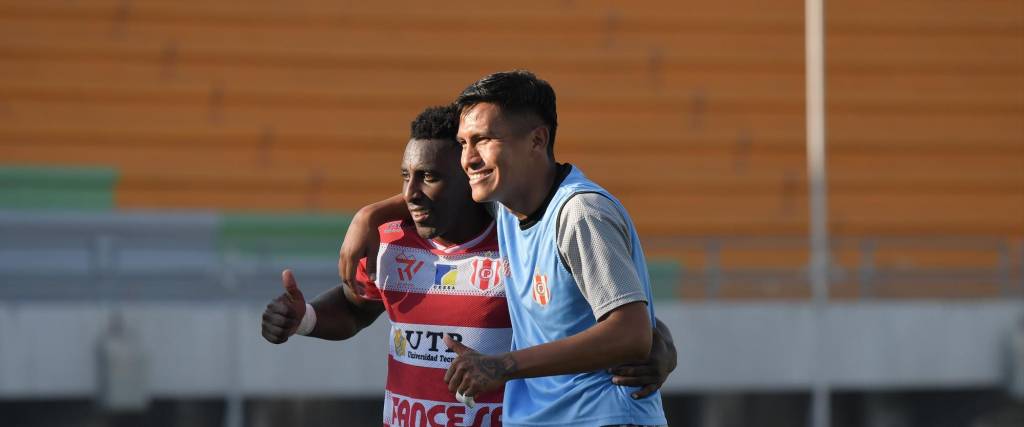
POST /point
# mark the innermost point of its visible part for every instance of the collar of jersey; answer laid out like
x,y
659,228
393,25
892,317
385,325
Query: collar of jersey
x,y
562,171
461,246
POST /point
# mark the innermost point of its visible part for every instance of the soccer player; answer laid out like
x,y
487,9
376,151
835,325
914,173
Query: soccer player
x,y
577,287
439,275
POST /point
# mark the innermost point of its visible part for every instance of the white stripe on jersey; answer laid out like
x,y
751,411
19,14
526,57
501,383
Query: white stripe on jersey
x,y
406,269
423,345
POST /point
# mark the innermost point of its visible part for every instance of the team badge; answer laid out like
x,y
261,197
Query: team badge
x,y
446,276
541,293
486,274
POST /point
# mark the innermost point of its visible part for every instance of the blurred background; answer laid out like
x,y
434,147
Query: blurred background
x,y
162,160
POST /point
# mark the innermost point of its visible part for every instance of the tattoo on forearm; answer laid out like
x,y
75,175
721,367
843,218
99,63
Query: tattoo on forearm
x,y
491,369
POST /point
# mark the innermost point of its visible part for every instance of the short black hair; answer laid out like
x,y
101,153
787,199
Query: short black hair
x,y
516,91
438,122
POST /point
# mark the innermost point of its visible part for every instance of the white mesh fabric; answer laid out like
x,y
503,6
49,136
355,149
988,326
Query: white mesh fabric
x,y
594,240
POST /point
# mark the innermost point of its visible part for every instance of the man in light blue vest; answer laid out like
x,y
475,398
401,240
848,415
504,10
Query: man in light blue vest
x,y
579,294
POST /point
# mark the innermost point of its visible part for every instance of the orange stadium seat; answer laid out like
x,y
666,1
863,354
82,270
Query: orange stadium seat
x,y
696,120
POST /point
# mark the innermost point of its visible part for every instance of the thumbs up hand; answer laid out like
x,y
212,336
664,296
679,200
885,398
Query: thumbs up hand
x,y
284,313
472,373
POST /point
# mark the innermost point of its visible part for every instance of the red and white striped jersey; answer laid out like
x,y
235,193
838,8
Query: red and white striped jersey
x,y
430,290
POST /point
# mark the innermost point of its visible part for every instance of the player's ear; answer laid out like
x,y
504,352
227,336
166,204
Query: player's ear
x,y
540,138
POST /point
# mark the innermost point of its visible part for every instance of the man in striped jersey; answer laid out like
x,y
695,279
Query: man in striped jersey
x,y
438,274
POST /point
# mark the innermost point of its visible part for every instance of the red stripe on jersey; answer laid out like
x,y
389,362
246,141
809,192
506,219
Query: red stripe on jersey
x,y
364,284
428,383
474,311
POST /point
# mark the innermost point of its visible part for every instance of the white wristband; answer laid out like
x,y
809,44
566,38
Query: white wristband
x,y
308,321
466,400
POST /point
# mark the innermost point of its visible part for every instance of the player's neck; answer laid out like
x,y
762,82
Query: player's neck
x,y
534,192
471,223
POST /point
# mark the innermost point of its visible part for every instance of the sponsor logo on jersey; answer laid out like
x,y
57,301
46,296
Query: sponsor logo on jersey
x,y
541,292
486,274
408,266
404,411
424,345
445,277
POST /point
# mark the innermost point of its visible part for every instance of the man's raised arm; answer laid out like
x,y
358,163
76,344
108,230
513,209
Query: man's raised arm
x,y
362,239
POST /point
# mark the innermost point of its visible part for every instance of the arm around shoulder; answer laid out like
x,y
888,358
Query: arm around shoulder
x,y
623,336
362,239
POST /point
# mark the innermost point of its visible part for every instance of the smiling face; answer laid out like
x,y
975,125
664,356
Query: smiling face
x,y
434,187
499,151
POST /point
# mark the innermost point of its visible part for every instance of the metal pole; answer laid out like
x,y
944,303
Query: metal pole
x,y
814,15
234,411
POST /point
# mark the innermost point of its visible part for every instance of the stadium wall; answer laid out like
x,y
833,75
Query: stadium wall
x,y
49,350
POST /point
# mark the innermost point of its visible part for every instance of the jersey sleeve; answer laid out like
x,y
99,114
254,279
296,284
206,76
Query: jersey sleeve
x,y
370,290
596,246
